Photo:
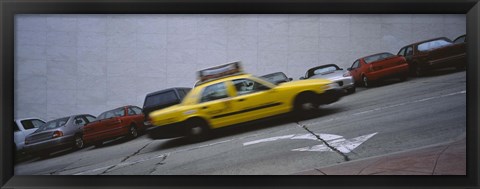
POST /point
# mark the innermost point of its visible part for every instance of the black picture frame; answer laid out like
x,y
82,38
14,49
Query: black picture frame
x,y
9,8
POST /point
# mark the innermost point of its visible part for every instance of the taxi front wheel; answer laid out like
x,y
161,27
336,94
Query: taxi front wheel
x,y
197,130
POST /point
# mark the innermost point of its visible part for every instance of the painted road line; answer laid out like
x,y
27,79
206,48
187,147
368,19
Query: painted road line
x,y
337,141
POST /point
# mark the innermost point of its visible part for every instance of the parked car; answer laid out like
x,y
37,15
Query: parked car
x,y
276,78
370,69
460,39
433,54
226,96
333,73
162,99
58,134
22,128
123,121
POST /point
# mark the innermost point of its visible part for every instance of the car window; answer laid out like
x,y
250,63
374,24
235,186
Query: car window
x,y
247,86
214,92
15,127
409,51
324,70
31,124
53,124
377,57
79,120
161,99
355,64
433,44
112,113
137,110
275,78
90,118
130,111
401,52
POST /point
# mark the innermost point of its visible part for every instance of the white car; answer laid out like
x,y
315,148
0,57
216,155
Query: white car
x,y
22,128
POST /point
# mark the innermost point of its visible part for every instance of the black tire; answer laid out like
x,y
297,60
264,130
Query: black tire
x,y
366,83
416,71
197,130
305,103
78,142
132,132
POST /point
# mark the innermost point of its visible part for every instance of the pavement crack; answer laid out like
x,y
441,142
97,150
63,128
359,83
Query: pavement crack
x,y
438,157
320,171
135,153
161,162
345,157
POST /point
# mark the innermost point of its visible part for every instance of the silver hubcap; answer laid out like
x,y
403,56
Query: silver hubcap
x,y
365,81
133,131
307,106
79,142
196,130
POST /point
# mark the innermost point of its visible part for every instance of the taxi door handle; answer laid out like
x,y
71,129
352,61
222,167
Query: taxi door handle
x,y
205,107
240,100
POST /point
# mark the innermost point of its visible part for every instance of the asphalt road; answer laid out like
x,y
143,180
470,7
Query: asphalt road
x,y
391,117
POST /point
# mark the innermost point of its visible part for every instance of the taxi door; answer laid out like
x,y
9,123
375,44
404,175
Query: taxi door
x,y
215,104
254,100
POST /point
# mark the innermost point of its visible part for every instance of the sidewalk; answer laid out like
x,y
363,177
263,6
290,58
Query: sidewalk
x,y
447,159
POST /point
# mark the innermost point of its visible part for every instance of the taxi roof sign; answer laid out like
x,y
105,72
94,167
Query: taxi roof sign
x,y
208,74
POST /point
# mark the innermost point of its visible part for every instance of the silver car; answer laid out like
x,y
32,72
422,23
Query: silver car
x,y
22,128
334,73
58,134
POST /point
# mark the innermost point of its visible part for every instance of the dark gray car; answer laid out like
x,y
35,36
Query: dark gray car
x,y
58,134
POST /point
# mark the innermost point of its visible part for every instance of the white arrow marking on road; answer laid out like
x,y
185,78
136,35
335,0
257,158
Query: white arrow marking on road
x,y
337,141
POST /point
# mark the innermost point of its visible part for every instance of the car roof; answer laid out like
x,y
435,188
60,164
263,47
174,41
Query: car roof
x,y
165,90
28,118
223,79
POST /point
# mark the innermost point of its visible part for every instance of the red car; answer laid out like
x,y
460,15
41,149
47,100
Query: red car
x,y
123,121
433,54
376,67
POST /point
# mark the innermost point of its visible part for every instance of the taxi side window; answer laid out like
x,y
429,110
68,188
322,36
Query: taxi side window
x,y
247,86
214,92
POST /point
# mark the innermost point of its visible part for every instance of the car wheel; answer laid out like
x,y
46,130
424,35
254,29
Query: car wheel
x,y
305,103
79,142
132,132
418,72
366,82
197,130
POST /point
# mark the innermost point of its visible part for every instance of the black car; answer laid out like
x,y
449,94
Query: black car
x,y
276,78
163,99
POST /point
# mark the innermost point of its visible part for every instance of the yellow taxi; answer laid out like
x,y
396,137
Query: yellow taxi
x,y
225,96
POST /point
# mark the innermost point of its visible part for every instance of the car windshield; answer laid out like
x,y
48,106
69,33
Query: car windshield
x,y
161,99
275,77
433,44
377,57
324,70
112,113
53,124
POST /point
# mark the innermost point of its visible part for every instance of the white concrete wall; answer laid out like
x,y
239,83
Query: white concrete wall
x,y
68,64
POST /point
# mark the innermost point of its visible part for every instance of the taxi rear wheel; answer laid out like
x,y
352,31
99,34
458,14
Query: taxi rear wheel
x,y
305,103
197,130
